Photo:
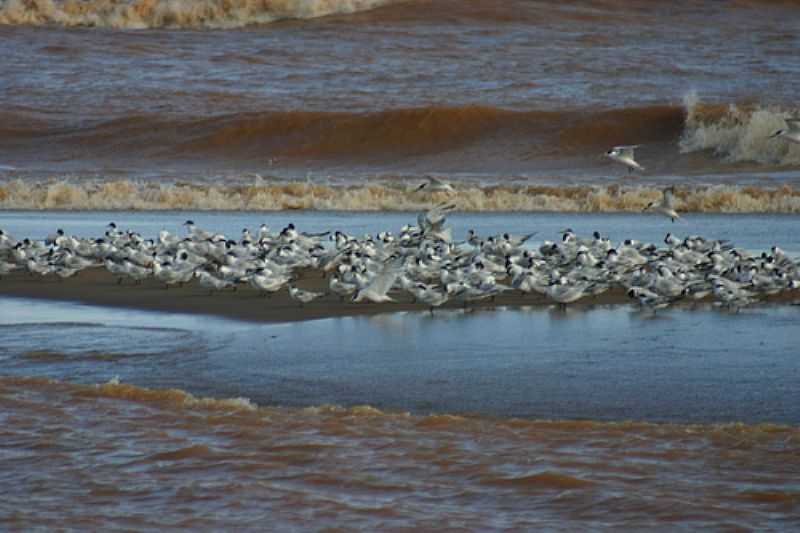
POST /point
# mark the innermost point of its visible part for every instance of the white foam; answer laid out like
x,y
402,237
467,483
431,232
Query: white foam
x,y
739,134
274,196
142,14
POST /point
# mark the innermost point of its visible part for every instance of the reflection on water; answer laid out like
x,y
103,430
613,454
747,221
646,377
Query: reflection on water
x,y
602,363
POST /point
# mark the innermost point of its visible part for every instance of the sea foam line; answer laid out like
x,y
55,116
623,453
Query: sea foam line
x,y
274,196
143,14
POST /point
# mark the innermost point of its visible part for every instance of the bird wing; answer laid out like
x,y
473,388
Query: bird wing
x,y
423,221
434,217
627,151
383,281
793,124
524,238
669,198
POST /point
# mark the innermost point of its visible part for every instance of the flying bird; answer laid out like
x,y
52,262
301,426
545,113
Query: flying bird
x,y
435,185
791,132
666,206
624,155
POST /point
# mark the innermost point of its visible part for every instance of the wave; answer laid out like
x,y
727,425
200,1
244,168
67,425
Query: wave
x,y
178,399
165,397
372,468
738,133
469,138
365,136
388,195
143,14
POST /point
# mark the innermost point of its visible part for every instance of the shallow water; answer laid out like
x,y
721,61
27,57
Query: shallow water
x,y
754,232
156,421
118,419
604,363
599,418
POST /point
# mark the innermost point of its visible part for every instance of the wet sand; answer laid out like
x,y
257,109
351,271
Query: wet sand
x,y
99,287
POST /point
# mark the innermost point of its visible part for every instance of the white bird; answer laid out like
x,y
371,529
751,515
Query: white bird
x,y
649,299
196,233
667,205
170,275
435,185
432,222
205,279
6,267
341,288
302,296
134,271
6,241
378,287
791,132
432,297
261,281
564,292
624,155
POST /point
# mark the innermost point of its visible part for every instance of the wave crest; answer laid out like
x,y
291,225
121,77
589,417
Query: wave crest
x,y
465,136
172,397
396,195
738,133
144,14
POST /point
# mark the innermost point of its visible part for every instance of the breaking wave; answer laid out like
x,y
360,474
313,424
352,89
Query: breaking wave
x,y
738,133
382,135
143,14
476,139
399,195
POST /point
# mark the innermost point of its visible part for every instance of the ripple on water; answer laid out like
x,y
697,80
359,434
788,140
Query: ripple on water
x,y
110,447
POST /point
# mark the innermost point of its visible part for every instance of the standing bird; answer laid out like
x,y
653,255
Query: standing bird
x,y
667,205
791,132
303,297
624,155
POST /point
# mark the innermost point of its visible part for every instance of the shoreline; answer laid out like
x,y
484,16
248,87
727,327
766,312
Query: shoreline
x,y
99,287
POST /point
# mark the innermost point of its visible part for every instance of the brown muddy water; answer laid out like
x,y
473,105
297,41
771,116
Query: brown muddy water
x,y
110,104
604,418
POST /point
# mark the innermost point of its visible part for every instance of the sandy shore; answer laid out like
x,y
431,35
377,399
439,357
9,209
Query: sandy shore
x,y
99,287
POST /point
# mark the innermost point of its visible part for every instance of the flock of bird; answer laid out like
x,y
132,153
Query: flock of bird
x,y
422,262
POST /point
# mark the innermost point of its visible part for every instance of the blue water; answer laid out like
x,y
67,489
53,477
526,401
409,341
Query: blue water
x,y
750,231
603,363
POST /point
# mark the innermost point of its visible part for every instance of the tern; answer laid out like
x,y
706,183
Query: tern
x,y
302,296
378,287
435,185
432,297
624,155
667,205
563,292
207,280
791,132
